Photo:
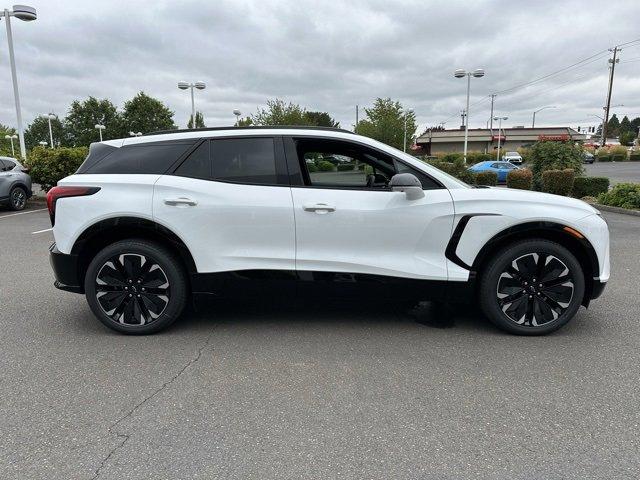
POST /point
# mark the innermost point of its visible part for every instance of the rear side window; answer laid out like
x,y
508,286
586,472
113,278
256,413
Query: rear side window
x,y
238,160
148,158
97,151
244,160
6,165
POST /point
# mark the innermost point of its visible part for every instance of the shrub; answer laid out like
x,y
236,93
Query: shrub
x,y
619,153
625,195
525,153
477,157
345,167
49,165
553,155
604,158
325,166
635,157
627,138
521,178
457,169
558,182
486,178
589,199
311,167
450,157
590,186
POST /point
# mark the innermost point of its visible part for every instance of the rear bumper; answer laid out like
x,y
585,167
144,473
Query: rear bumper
x,y
65,269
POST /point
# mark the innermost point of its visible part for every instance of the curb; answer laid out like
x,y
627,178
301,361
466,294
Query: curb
x,y
624,211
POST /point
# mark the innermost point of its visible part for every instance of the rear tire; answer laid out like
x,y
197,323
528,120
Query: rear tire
x,y
136,287
17,198
533,287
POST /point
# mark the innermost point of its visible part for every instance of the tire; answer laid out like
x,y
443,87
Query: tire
x,y
17,198
520,294
136,287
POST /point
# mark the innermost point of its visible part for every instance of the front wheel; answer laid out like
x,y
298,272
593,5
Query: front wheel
x,y
17,198
532,287
136,287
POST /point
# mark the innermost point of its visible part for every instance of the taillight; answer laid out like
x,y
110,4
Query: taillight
x,y
60,192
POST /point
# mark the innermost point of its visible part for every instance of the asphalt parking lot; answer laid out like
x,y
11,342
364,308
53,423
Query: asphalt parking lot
x,y
316,391
618,172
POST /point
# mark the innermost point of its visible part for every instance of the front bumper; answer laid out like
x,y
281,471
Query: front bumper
x,y
65,269
597,288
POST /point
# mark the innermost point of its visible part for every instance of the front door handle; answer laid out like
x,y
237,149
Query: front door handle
x,y
320,208
180,201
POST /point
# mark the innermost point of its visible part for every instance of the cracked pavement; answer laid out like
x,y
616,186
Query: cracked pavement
x,y
317,391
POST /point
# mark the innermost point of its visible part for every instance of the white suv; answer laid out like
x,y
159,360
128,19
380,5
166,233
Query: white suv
x,y
147,222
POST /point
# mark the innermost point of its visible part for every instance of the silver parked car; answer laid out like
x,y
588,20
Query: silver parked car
x,y
15,184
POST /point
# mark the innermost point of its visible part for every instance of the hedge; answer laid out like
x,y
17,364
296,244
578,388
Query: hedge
x,y
450,157
551,155
325,166
49,165
558,182
634,157
486,178
344,167
311,167
521,179
457,169
625,195
590,186
477,157
604,158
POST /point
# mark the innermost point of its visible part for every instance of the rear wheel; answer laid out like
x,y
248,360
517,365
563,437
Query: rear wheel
x,y
136,287
17,198
533,287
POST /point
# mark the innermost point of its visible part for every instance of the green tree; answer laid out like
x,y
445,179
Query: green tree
x,y
146,114
38,131
244,122
280,113
613,126
321,119
5,144
625,126
626,138
385,122
82,118
199,121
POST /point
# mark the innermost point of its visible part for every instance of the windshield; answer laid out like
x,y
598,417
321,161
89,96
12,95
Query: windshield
x,y
513,154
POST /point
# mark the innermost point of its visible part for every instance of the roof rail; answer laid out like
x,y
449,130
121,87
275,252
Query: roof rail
x,y
250,127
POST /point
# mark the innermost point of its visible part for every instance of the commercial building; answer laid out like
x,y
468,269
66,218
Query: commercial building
x,y
486,140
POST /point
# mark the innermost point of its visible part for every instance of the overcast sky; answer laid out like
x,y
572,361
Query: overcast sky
x,y
327,56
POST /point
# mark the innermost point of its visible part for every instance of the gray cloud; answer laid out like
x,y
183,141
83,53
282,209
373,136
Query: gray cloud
x,y
326,56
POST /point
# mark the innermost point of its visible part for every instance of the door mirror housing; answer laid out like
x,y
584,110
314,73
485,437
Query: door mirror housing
x,y
407,183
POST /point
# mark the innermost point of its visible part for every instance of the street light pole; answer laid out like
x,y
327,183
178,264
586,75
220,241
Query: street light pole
x,y
199,86
499,119
11,138
49,117
237,113
460,73
100,127
21,12
533,123
405,128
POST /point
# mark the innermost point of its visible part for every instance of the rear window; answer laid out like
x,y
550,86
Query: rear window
x,y
146,158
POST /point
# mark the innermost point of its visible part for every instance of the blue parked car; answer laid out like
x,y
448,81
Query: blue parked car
x,y
500,168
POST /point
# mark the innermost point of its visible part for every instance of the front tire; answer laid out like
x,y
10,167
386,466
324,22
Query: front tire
x,y
17,198
533,287
136,287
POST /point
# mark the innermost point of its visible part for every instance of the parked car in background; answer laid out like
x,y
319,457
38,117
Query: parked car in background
x,y
15,184
589,157
148,222
502,169
513,157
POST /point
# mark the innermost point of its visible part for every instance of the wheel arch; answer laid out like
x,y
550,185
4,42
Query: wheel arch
x,y
110,230
555,232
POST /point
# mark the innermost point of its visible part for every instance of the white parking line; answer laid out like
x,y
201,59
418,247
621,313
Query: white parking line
x,y
22,213
42,231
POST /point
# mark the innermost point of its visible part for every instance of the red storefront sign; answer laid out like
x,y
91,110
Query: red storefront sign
x,y
553,138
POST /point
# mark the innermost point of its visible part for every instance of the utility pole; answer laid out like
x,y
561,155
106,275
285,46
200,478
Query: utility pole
x,y
463,114
493,97
612,69
355,128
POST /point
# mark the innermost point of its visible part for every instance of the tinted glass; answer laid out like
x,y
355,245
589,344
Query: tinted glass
x,y
427,182
97,151
244,160
7,165
198,164
146,158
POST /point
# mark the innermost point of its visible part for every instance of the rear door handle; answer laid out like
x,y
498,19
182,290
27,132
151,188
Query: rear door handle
x,y
180,201
320,208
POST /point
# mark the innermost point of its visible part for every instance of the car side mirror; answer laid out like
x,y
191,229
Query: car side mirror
x,y
407,183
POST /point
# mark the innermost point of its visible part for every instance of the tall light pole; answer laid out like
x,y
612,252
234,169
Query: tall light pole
x,y
237,113
533,123
27,14
499,120
100,128
50,116
406,113
461,73
12,138
199,86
